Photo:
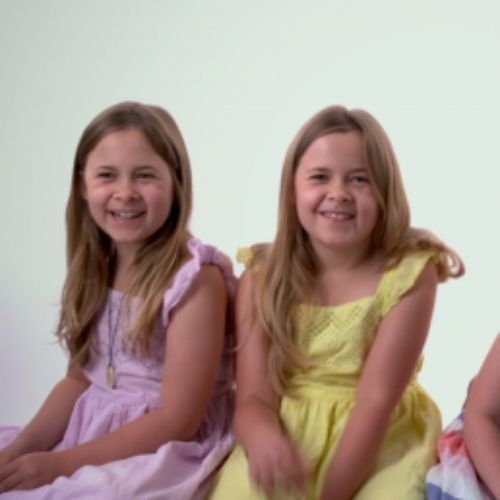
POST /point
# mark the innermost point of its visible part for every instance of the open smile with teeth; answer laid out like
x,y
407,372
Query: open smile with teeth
x,y
126,214
339,216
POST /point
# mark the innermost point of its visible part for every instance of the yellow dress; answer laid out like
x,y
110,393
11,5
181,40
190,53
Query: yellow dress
x,y
323,397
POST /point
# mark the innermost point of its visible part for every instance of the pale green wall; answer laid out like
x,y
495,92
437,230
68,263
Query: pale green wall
x,y
240,78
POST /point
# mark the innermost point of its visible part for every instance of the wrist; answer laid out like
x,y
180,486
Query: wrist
x,y
67,461
17,448
262,435
29,441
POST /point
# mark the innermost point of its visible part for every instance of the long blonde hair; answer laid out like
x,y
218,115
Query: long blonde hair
x,y
285,270
90,252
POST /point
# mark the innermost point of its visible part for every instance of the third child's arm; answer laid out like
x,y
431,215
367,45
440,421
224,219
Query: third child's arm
x,y
482,420
271,456
388,368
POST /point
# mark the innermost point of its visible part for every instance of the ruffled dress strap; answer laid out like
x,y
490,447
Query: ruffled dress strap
x,y
202,254
245,256
253,257
401,278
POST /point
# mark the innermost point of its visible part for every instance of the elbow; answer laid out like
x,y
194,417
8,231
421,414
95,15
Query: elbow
x,y
176,427
186,434
187,429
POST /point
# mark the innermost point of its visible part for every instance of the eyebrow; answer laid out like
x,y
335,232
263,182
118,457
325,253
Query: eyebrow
x,y
143,167
137,167
322,168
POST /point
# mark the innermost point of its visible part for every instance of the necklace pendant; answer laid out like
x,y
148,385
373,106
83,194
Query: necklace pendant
x,y
110,376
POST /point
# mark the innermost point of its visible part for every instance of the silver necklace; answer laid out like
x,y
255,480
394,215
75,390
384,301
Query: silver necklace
x,y
112,332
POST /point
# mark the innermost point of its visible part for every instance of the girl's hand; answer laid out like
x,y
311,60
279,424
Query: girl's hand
x,y
10,453
5,457
274,463
29,471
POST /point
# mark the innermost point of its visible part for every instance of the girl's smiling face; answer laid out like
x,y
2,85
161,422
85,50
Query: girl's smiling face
x,y
128,188
335,200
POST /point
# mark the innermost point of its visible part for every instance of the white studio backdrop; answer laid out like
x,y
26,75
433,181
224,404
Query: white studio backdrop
x,y
240,78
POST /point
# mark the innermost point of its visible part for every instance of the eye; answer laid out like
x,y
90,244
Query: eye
x,y
145,175
105,174
318,176
360,179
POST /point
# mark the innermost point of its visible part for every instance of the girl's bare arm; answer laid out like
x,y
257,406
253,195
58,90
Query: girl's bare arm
x,y
482,420
193,351
271,456
47,427
389,366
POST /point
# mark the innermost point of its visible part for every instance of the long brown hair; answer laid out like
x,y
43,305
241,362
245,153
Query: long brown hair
x,y
90,253
285,270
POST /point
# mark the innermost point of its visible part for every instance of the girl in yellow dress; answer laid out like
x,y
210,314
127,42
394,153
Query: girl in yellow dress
x,y
331,318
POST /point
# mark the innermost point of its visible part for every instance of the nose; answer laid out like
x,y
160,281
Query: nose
x,y
338,191
125,190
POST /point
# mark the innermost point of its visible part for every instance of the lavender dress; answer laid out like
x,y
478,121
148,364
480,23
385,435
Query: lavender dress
x,y
178,470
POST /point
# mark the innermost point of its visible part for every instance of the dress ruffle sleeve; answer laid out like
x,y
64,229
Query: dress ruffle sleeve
x,y
244,256
201,255
399,280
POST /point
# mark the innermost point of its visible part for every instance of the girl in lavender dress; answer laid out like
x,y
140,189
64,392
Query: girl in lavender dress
x,y
144,408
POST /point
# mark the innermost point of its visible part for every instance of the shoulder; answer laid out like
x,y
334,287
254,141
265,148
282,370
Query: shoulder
x,y
208,271
210,278
416,270
253,258
206,263
245,284
206,290
427,279
202,253
448,262
412,264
